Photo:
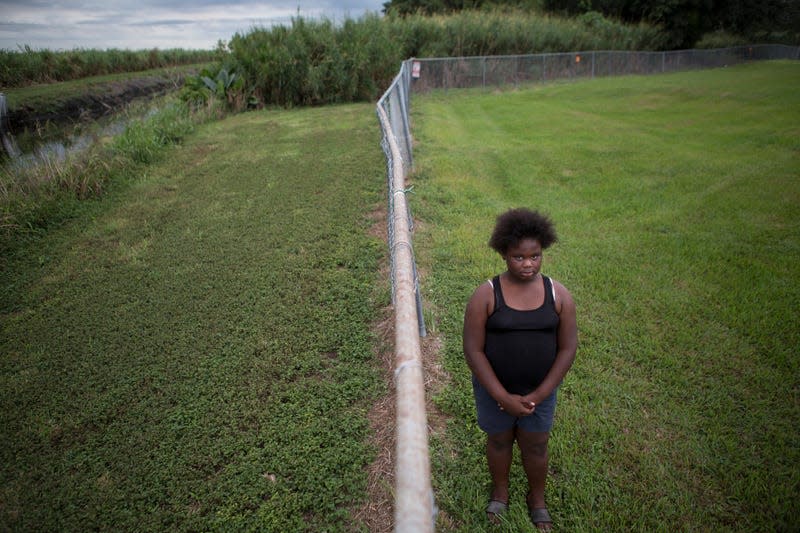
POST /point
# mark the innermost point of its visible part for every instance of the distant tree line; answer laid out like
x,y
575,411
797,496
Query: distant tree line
x,y
684,21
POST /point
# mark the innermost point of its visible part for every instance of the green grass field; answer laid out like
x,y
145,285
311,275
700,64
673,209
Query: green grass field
x,y
193,352
677,200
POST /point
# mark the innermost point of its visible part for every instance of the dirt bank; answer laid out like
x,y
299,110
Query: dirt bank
x,y
99,99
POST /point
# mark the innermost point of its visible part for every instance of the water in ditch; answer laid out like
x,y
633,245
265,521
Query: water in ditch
x,y
53,143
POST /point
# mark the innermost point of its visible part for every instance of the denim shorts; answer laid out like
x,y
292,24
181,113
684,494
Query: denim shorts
x,y
492,420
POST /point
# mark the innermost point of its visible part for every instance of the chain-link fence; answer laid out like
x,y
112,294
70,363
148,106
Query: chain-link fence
x,y
466,72
394,104
414,506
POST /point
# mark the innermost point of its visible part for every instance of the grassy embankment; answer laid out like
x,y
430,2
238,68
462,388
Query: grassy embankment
x,y
51,97
677,200
193,351
19,68
80,109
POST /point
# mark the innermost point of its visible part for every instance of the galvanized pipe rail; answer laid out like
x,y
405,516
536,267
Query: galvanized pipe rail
x,y
414,508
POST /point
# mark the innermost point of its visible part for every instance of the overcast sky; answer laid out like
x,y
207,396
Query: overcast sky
x,y
144,24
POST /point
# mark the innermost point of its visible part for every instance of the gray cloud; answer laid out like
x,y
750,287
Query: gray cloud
x,y
164,22
19,27
196,24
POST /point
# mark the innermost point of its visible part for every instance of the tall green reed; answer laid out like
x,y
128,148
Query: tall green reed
x,y
317,61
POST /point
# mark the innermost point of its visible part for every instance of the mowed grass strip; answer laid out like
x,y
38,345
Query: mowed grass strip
x,y
196,355
677,200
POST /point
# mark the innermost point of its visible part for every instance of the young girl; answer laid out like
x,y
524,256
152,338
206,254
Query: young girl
x,y
520,339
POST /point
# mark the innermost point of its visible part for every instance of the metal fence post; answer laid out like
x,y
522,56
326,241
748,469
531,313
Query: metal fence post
x,y
544,69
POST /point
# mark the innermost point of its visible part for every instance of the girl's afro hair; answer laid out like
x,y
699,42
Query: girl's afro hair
x,y
517,224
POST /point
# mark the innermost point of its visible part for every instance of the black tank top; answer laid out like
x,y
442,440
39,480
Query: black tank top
x,y
521,345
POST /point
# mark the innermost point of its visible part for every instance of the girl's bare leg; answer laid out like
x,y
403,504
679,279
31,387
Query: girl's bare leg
x,y
499,452
533,447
